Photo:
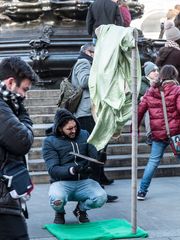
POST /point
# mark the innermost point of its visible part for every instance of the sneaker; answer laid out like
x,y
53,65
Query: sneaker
x,y
81,216
59,218
111,198
141,196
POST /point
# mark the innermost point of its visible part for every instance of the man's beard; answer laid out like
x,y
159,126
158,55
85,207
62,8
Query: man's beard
x,y
70,136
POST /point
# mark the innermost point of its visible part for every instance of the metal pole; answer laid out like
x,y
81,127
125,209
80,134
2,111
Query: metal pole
x,y
134,135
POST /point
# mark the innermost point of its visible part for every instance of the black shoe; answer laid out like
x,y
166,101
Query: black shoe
x,y
81,216
59,218
111,198
141,196
106,181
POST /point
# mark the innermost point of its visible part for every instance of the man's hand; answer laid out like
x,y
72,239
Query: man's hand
x,y
80,169
24,116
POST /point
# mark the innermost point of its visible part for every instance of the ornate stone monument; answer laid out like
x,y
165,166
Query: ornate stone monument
x,y
48,34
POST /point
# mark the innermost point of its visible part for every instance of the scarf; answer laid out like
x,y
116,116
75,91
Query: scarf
x,y
173,44
12,99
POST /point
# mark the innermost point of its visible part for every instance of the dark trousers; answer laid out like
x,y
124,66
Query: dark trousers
x,y
13,227
88,124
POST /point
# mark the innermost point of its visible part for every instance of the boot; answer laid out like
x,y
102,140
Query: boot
x,y
59,218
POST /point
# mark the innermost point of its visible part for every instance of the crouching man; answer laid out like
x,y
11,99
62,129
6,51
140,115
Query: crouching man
x,y
70,174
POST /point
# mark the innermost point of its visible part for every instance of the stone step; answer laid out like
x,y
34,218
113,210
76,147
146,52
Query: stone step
x,y
125,137
112,161
125,172
44,118
125,160
40,102
39,129
118,173
113,149
117,149
40,110
40,177
36,165
53,93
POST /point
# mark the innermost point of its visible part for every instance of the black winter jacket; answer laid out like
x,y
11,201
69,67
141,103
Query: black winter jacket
x,y
56,150
16,138
102,12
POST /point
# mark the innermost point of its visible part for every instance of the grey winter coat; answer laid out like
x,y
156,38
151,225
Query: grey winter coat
x,y
80,78
16,138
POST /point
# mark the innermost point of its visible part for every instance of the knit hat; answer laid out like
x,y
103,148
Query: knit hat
x,y
149,67
172,33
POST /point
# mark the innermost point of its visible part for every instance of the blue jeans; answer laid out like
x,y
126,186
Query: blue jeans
x,y
157,152
88,193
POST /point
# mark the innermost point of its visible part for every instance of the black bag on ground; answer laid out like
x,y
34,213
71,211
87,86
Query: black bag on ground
x,y
17,178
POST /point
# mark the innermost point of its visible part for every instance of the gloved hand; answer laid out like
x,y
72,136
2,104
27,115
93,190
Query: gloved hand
x,y
80,169
24,116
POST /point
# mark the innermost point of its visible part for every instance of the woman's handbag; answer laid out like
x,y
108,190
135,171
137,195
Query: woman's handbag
x,y
174,140
17,179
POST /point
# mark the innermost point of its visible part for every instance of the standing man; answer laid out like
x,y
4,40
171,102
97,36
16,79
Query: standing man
x,y
70,174
102,12
80,78
16,138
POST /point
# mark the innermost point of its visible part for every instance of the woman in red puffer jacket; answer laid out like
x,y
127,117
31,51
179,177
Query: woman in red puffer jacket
x,y
152,102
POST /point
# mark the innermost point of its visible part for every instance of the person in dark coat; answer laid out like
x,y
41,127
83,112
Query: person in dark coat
x,y
152,102
70,174
170,53
102,12
16,138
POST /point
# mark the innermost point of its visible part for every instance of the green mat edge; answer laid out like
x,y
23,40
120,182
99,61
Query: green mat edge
x,y
140,233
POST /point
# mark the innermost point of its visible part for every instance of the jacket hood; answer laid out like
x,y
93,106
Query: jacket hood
x,y
163,55
61,116
167,88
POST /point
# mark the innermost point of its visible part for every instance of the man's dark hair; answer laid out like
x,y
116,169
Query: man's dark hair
x,y
168,72
18,69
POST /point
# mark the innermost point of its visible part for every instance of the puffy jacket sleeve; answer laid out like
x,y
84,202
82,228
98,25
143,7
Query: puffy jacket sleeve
x,y
92,151
82,71
51,158
142,108
15,136
178,103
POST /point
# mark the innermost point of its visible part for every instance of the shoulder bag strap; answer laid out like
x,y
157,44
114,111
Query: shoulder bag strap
x,y
165,113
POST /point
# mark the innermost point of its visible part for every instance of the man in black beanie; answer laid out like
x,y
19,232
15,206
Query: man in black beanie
x,y
70,174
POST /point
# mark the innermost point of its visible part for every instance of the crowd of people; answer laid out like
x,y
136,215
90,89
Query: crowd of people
x,y
73,178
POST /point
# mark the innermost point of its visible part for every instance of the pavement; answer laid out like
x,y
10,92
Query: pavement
x,y
159,214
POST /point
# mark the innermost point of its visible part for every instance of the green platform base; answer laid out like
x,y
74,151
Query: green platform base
x,y
99,230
